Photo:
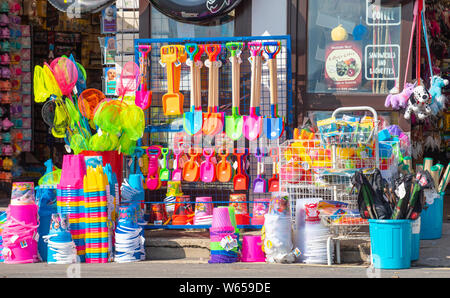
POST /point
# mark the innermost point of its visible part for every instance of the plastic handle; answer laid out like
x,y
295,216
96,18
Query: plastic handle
x,y
208,154
255,47
169,54
192,50
201,50
213,51
266,46
144,49
223,153
234,47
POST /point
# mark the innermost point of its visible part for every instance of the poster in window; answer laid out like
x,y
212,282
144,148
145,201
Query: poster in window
x,y
109,20
110,76
343,66
110,50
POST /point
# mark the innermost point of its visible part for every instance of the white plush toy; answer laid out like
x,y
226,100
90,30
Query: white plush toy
x,y
420,105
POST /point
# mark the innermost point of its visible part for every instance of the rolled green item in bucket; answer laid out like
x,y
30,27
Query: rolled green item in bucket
x,y
427,164
408,161
435,175
441,168
444,180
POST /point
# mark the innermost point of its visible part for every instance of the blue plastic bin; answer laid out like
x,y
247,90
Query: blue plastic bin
x,y
390,242
431,219
415,239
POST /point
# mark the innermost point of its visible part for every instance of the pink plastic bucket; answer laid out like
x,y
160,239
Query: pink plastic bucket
x,y
22,252
251,249
73,171
24,213
221,218
203,210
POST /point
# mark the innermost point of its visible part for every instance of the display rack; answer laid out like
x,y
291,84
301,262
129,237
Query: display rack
x,y
168,131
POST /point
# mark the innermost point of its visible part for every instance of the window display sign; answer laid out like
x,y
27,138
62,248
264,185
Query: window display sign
x,y
382,62
109,20
343,66
377,15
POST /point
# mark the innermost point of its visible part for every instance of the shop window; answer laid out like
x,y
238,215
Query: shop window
x,y
353,47
164,27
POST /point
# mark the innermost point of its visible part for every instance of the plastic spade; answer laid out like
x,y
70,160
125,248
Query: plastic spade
x,y
164,173
274,182
235,122
224,171
259,184
212,120
191,169
240,181
172,99
253,122
193,120
177,172
273,126
207,169
143,97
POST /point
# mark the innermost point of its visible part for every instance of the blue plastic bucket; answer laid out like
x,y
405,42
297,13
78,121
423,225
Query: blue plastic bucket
x,y
415,239
390,242
431,219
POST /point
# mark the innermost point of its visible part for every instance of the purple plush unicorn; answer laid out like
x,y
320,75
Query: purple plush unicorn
x,y
400,100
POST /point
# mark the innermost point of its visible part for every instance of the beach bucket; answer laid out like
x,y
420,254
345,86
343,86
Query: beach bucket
x,y
252,249
73,171
183,213
260,208
279,204
158,214
22,193
24,251
240,207
203,211
24,213
390,242
221,218
431,219
415,239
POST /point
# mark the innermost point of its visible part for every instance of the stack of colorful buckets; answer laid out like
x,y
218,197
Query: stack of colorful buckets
x,y
96,215
70,199
19,233
224,231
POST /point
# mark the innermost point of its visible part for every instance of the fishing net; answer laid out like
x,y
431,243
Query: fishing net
x,y
66,74
132,120
88,101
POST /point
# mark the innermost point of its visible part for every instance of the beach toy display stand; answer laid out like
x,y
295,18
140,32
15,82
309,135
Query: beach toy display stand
x,y
163,131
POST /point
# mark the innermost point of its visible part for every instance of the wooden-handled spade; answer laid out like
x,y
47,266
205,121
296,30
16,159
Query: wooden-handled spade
x,y
234,122
253,123
273,126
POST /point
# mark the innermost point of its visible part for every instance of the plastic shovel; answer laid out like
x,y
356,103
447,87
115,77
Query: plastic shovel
x,y
193,120
235,122
164,173
177,172
240,181
259,184
224,171
207,168
212,120
274,182
191,170
143,97
172,100
253,122
273,126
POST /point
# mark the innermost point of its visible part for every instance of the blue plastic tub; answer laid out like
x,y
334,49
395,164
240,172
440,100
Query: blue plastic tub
x,y
415,239
431,219
390,242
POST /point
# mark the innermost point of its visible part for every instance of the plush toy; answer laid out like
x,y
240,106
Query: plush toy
x,y
400,100
437,83
421,106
